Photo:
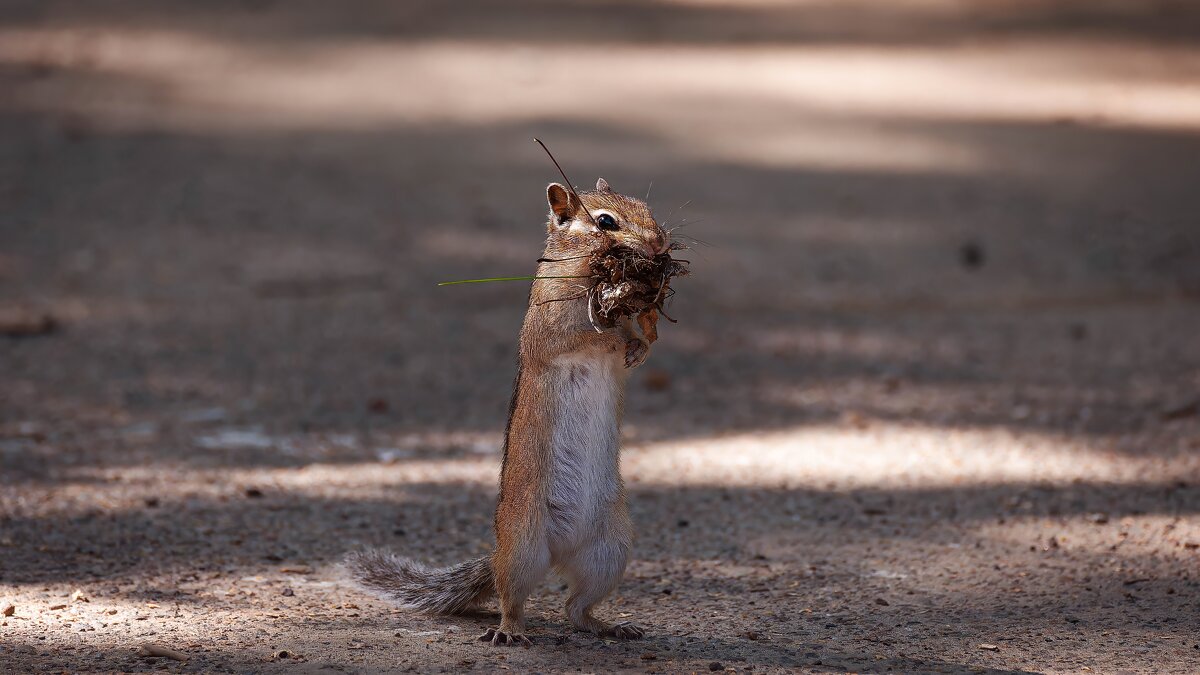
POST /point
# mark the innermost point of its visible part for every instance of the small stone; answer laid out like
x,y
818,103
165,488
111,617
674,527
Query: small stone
x,y
971,255
79,596
21,322
1183,410
9,609
657,380
854,418
989,647
55,608
881,601
288,592
716,666
254,493
649,656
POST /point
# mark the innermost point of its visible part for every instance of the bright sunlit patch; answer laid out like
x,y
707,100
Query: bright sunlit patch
x,y
775,105
886,455
876,454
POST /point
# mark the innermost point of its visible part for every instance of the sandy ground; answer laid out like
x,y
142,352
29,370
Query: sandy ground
x,y
932,404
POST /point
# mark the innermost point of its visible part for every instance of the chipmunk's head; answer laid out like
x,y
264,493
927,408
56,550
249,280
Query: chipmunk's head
x,y
615,219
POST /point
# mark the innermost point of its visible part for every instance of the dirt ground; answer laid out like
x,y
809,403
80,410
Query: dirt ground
x,y
932,403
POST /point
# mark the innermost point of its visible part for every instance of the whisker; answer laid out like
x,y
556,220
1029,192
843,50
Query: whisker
x,y
678,208
676,245
648,191
694,239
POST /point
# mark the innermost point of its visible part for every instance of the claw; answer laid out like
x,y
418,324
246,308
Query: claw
x,y
498,637
624,631
635,352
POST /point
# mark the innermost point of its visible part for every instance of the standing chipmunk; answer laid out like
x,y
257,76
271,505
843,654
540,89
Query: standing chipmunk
x,y
562,500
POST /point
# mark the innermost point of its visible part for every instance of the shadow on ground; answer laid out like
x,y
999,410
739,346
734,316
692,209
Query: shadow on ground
x,y
623,23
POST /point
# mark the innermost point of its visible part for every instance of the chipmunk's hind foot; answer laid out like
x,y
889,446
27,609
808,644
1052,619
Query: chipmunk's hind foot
x,y
623,631
498,637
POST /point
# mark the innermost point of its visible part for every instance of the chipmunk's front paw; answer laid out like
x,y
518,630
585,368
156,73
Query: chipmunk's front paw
x,y
636,351
623,631
498,637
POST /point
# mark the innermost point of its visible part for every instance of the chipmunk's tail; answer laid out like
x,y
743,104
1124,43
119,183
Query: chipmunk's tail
x,y
447,590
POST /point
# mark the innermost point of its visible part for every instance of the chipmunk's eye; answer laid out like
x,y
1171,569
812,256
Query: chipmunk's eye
x,y
606,222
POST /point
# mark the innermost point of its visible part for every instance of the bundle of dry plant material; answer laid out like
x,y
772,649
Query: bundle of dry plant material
x,y
628,283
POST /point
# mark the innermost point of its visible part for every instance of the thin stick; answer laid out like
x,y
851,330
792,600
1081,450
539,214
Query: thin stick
x,y
591,312
151,649
569,297
568,180
664,313
574,257
660,287
483,281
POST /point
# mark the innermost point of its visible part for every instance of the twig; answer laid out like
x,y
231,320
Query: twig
x,y
483,281
151,649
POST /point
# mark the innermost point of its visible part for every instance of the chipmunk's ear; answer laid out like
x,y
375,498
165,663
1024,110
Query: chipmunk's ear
x,y
602,185
561,201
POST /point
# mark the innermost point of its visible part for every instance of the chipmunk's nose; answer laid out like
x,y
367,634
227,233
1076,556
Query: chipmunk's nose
x,y
660,243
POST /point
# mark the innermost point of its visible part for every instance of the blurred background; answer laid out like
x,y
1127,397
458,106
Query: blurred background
x,y
940,337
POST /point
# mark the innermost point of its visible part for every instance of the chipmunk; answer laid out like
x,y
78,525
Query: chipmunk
x,y
562,500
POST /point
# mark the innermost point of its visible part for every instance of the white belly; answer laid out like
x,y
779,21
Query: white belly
x,y
585,477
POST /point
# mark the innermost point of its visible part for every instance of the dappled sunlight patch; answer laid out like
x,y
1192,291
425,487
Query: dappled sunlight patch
x,y
129,487
1126,540
890,455
822,105
870,454
191,610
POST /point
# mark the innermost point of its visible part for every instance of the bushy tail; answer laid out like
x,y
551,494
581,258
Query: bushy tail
x,y
448,590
